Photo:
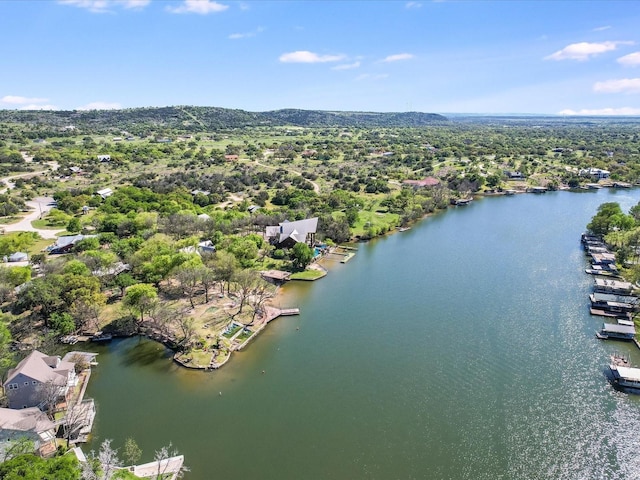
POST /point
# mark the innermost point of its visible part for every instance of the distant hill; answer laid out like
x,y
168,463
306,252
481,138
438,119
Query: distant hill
x,y
196,119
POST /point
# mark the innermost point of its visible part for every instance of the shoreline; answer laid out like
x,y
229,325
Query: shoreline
x,y
274,309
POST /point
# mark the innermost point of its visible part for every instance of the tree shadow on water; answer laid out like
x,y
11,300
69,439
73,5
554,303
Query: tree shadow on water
x,y
144,352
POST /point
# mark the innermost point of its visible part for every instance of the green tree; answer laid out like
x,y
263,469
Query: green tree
x,y
62,323
41,295
74,225
30,467
76,267
123,281
140,299
302,255
224,268
131,451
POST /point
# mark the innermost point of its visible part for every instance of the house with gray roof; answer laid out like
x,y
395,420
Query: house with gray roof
x,y
287,234
30,384
65,244
27,423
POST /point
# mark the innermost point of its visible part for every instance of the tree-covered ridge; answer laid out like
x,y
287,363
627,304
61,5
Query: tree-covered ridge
x,y
200,119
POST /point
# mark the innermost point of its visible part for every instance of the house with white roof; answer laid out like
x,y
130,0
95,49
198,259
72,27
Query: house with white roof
x,y
595,173
287,234
105,192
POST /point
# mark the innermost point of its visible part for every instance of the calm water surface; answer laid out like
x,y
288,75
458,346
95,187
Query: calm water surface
x,y
461,349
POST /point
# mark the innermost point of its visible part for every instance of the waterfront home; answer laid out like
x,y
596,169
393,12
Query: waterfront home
x,y
37,378
594,173
514,175
287,234
26,424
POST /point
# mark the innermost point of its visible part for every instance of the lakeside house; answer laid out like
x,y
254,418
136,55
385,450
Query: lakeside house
x,y
514,175
594,173
26,384
27,424
287,234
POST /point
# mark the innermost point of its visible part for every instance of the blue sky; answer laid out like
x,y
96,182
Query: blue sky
x,y
537,56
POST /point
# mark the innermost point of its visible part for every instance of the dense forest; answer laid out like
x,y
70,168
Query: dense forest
x,y
203,119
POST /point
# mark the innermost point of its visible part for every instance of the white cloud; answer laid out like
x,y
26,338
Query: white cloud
x,y
602,111
584,50
369,76
100,106
622,85
103,6
238,36
304,56
398,57
412,5
346,66
133,4
18,100
632,59
201,7
37,106
602,29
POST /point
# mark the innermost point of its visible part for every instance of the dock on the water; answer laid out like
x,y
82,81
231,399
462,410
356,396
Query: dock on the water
x,y
348,257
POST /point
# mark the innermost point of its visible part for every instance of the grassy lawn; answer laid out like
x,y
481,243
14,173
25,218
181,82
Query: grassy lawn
x,y
308,275
39,245
370,219
8,220
44,224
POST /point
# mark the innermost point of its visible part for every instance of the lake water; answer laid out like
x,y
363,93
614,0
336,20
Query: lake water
x,y
461,349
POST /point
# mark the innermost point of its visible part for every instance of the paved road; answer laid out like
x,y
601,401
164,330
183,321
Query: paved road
x,y
39,206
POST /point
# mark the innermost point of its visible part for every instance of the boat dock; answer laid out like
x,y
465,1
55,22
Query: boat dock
x,y
613,299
